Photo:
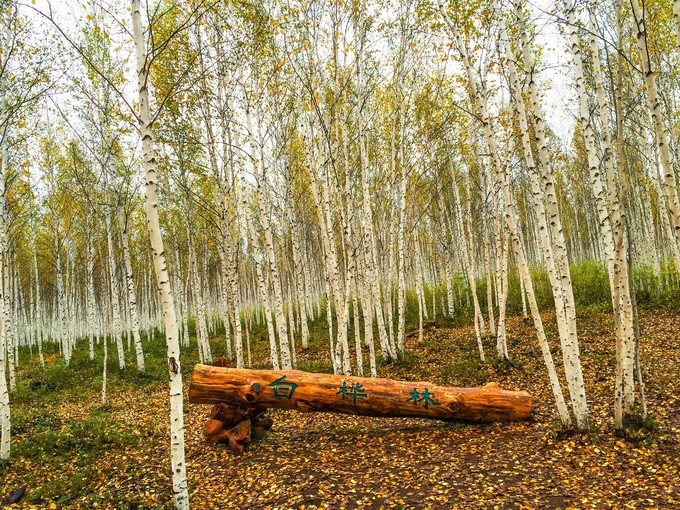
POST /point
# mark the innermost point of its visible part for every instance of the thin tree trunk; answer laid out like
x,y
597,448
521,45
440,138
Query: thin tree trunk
x,y
654,104
115,302
279,313
131,293
582,417
179,480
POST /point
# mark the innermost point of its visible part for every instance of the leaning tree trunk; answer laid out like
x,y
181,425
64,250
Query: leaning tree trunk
x,y
621,299
558,245
469,264
654,104
622,295
558,273
179,480
578,396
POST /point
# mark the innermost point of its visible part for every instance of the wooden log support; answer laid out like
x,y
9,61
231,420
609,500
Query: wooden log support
x,y
308,392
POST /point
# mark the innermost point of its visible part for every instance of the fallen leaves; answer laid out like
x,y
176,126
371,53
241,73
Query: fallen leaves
x,y
327,460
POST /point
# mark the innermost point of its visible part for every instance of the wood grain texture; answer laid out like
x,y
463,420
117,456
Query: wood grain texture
x,y
309,392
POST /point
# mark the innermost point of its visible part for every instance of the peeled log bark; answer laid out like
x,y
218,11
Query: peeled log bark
x,y
307,392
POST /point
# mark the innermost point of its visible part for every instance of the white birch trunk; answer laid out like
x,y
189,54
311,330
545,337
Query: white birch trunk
x,y
179,480
299,283
468,263
625,386
38,306
622,293
131,293
60,308
5,418
115,299
511,222
204,350
371,258
90,290
279,313
662,136
401,290
264,295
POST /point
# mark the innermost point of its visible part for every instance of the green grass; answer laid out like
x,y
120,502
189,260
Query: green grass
x,y
51,441
63,490
465,371
320,366
590,280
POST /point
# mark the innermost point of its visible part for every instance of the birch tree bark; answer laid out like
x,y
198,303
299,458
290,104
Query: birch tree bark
x,y
577,396
654,104
371,259
60,300
469,265
115,293
624,387
5,417
179,480
90,289
131,293
262,201
299,282
231,244
204,350
401,290
38,304
622,291
555,385
264,295
5,414
557,266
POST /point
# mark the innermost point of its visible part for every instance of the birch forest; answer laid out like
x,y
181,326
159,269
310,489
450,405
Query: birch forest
x,y
479,194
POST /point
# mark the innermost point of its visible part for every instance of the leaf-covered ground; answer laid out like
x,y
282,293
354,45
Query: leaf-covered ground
x,y
70,452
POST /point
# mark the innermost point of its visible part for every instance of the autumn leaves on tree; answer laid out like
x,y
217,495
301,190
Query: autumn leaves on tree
x,y
276,172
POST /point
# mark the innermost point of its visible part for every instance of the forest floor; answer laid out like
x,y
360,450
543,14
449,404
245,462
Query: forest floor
x,y
71,452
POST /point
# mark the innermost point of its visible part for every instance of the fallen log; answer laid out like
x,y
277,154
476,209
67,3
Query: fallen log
x,y
309,392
